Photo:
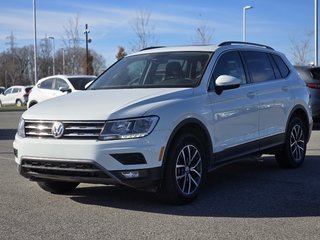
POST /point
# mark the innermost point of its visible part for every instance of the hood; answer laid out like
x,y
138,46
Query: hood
x,y
105,104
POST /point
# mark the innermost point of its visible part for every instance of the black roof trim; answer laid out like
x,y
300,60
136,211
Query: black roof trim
x,y
244,43
148,48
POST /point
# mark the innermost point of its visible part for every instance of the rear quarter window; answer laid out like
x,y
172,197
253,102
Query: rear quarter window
x,y
283,68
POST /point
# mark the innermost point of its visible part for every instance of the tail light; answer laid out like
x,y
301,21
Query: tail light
x,y
313,85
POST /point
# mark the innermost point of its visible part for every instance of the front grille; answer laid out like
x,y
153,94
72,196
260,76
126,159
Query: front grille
x,y
59,168
72,129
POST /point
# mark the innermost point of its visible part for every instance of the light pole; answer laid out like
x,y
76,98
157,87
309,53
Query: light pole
x,y
35,42
316,32
63,62
53,56
86,32
244,22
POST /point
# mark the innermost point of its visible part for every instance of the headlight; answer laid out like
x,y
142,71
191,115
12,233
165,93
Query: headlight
x,y
21,131
128,128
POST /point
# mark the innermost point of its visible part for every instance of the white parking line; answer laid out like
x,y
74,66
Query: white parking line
x,y
5,158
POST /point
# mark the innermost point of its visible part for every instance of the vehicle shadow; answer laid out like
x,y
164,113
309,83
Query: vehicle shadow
x,y
7,134
250,189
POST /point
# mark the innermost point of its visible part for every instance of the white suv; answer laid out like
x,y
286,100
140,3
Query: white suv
x,y
57,85
15,95
161,118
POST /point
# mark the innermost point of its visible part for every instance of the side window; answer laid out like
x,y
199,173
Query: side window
x,y
47,84
229,64
16,90
259,66
284,70
8,91
60,83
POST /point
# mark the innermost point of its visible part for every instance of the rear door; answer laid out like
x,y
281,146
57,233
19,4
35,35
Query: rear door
x,y
16,94
273,92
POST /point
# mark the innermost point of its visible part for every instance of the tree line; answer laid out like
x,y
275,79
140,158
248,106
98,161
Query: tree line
x,y
17,63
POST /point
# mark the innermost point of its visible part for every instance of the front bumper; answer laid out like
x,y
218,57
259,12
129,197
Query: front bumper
x,y
87,172
91,161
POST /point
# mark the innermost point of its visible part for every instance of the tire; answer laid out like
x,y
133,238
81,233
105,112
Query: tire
x,y
58,186
18,103
294,151
32,104
184,170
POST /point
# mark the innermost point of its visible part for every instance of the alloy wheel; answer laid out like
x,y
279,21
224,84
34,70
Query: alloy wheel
x,y
297,143
188,169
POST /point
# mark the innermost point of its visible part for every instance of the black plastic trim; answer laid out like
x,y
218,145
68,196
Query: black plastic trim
x,y
129,158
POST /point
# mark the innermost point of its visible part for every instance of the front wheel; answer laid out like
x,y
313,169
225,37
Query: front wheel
x,y
58,186
184,170
294,151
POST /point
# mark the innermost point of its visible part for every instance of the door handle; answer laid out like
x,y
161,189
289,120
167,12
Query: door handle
x,y
285,88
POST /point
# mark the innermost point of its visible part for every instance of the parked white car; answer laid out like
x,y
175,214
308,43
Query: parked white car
x,y
15,95
161,118
57,85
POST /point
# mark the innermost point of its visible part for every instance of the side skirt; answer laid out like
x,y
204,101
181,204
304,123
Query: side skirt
x,y
247,150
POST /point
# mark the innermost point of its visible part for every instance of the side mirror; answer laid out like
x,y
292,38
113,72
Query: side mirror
x,y
225,82
64,89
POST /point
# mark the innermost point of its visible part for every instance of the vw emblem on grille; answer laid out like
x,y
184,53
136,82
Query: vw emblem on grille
x,y
57,129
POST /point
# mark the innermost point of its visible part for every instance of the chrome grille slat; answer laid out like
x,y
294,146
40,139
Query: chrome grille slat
x,y
39,134
83,128
72,129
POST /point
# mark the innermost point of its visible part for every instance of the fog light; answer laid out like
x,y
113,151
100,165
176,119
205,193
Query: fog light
x,y
131,174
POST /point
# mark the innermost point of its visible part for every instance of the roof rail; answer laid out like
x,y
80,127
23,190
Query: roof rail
x,y
243,43
148,48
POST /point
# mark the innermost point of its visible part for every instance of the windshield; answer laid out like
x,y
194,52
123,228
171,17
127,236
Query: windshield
x,y
79,83
174,69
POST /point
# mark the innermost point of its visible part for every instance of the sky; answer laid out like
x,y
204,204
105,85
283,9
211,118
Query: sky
x,y
272,22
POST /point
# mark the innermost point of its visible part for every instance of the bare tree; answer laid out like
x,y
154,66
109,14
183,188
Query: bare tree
x,y
301,50
16,66
204,33
72,44
143,30
121,53
45,67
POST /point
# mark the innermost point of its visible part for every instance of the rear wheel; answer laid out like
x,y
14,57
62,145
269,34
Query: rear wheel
x,y
184,170
294,151
58,186
18,103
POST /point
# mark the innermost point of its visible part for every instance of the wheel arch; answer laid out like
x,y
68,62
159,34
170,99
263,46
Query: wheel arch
x,y
196,127
299,111
32,103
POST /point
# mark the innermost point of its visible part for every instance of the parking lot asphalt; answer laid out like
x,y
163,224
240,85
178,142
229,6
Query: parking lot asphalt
x,y
246,200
